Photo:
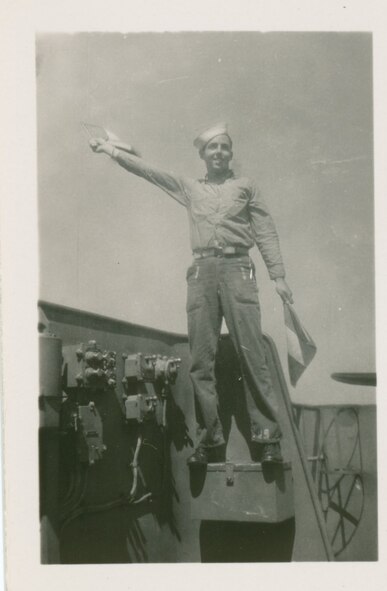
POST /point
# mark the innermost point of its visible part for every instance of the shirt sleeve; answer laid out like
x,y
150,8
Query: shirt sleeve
x,y
172,184
265,234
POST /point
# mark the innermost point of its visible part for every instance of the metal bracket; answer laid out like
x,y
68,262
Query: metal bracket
x,y
229,474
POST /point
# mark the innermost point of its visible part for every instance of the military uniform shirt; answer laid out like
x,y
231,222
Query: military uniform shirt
x,y
229,214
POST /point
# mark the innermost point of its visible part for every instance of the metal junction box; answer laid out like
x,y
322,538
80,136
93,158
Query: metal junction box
x,y
243,492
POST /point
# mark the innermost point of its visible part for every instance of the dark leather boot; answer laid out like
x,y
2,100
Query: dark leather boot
x,y
204,455
271,454
199,457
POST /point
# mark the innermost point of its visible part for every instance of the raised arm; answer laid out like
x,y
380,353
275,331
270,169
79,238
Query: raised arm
x,y
266,238
127,157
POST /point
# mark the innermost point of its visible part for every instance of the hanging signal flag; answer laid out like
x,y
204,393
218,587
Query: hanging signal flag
x,y
301,347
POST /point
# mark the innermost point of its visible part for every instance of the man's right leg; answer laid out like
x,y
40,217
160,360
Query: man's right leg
x,y
204,323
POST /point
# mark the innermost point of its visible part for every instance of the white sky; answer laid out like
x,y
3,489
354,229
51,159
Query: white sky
x,y
299,107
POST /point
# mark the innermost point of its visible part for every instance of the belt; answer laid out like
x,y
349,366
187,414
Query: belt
x,y
218,251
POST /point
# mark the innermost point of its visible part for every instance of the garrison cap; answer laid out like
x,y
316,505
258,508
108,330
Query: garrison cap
x,y
219,129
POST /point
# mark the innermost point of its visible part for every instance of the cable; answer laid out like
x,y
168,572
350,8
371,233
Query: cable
x,y
134,465
79,490
123,502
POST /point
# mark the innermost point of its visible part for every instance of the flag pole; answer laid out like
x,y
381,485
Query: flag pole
x,y
301,454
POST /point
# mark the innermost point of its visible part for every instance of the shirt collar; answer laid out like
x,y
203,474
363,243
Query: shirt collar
x,y
229,176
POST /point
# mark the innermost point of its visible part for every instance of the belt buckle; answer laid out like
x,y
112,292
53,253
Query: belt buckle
x,y
229,250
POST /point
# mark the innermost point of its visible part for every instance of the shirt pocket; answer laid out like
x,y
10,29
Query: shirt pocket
x,y
236,207
201,206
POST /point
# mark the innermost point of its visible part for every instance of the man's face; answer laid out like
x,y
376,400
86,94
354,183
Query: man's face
x,y
217,154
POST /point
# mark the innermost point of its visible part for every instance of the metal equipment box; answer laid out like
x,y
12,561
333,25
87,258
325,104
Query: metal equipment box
x,y
243,492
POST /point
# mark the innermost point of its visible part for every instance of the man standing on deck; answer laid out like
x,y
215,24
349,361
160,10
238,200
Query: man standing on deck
x,y
227,215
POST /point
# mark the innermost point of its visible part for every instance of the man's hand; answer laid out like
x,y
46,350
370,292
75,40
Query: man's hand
x,y
107,146
101,146
284,290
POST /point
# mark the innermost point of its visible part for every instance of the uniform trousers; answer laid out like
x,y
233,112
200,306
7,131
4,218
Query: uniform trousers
x,y
225,286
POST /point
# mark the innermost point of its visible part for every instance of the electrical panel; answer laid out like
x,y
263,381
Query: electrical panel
x,y
146,385
86,365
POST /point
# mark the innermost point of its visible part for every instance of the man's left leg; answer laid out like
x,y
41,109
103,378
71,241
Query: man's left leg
x,y
239,296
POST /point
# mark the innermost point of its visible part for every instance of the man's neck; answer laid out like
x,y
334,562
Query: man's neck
x,y
218,178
